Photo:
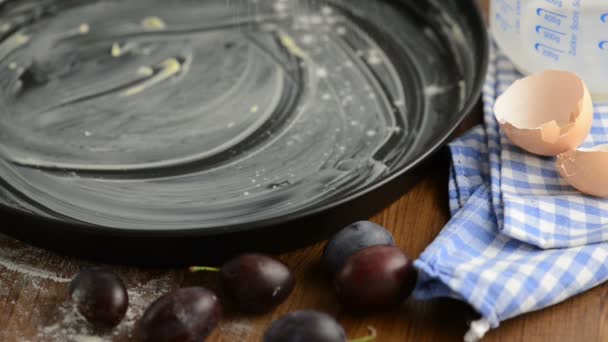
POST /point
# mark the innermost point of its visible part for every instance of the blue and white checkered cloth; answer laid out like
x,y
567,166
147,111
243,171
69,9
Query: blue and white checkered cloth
x,y
520,239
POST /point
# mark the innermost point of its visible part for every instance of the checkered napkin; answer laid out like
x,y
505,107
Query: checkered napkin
x,y
520,239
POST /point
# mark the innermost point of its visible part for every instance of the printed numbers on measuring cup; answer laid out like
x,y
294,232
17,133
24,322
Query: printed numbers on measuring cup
x,y
556,3
548,51
549,34
550,16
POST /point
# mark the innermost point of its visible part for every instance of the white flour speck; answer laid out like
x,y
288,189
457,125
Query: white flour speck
x,y
434,89
321,72
374,57
236,331
307,39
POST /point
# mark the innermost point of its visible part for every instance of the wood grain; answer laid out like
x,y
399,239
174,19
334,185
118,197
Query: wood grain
x,y
33,308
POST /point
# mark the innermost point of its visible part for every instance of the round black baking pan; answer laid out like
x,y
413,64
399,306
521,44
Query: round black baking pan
x,y
161,132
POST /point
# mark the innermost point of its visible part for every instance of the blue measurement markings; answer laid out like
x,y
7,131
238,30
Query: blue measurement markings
x,y
603,45
548,51
550,34
550,16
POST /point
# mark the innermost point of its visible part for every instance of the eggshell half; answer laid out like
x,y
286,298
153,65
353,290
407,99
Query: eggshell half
x,y
586,170
546,113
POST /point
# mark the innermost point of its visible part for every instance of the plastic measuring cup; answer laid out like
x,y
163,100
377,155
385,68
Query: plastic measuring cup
x,y
555,34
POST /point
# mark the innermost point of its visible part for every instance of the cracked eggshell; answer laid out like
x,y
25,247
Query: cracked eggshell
x,y
546,113
585,170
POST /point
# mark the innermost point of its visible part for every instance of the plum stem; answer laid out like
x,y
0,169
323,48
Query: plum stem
x,y
371,337
204,269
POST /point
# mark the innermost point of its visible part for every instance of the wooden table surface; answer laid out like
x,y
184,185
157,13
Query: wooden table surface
x,y
33,286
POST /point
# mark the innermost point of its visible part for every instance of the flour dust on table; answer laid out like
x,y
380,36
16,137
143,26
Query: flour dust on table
x,y
72,326
42,276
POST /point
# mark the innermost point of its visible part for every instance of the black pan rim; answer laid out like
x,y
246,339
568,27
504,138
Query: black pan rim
x,y
78,227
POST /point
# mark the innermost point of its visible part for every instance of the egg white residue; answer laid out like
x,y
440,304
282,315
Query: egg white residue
x,y
149,114
159,112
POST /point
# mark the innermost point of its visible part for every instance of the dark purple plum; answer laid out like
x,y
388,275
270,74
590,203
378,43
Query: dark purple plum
x,y
305,326
375,278
184,315
352,239
256,283
100,296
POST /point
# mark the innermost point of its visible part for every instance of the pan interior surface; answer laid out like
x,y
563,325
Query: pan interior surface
x,y
181,114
